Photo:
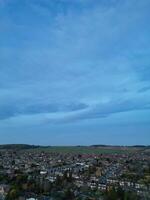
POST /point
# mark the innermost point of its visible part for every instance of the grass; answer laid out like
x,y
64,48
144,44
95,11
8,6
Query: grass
x,y
85,150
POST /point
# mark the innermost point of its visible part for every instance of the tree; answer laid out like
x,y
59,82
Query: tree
x,y
68,195
12,194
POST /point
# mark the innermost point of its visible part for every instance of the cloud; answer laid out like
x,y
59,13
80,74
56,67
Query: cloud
x,y
106,109
60,114
66,61
14,110
144,89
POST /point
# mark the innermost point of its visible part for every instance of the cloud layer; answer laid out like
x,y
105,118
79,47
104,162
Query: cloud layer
x,y
69,61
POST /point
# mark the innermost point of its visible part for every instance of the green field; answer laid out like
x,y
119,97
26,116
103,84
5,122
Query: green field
x,y
95,149
86,150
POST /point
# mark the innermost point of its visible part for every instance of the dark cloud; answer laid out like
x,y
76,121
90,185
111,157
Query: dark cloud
x,y
7,111
144,89
102,111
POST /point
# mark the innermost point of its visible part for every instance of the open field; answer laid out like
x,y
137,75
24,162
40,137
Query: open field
x,y
95,149
88,150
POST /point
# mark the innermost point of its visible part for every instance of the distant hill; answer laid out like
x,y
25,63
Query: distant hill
x,y
134,146
18,146
27,146
141,146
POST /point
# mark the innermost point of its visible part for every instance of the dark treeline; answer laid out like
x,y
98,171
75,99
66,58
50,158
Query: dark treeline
x,y
18,146
27,146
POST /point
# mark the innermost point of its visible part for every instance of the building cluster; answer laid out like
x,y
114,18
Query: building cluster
x,y
40,174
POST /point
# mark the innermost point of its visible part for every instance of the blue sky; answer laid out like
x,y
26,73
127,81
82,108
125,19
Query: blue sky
x,y
75,72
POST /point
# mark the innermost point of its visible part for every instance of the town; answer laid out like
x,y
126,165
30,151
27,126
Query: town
x,y
45,174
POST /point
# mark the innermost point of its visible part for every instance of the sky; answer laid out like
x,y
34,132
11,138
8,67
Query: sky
x,y
75,72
